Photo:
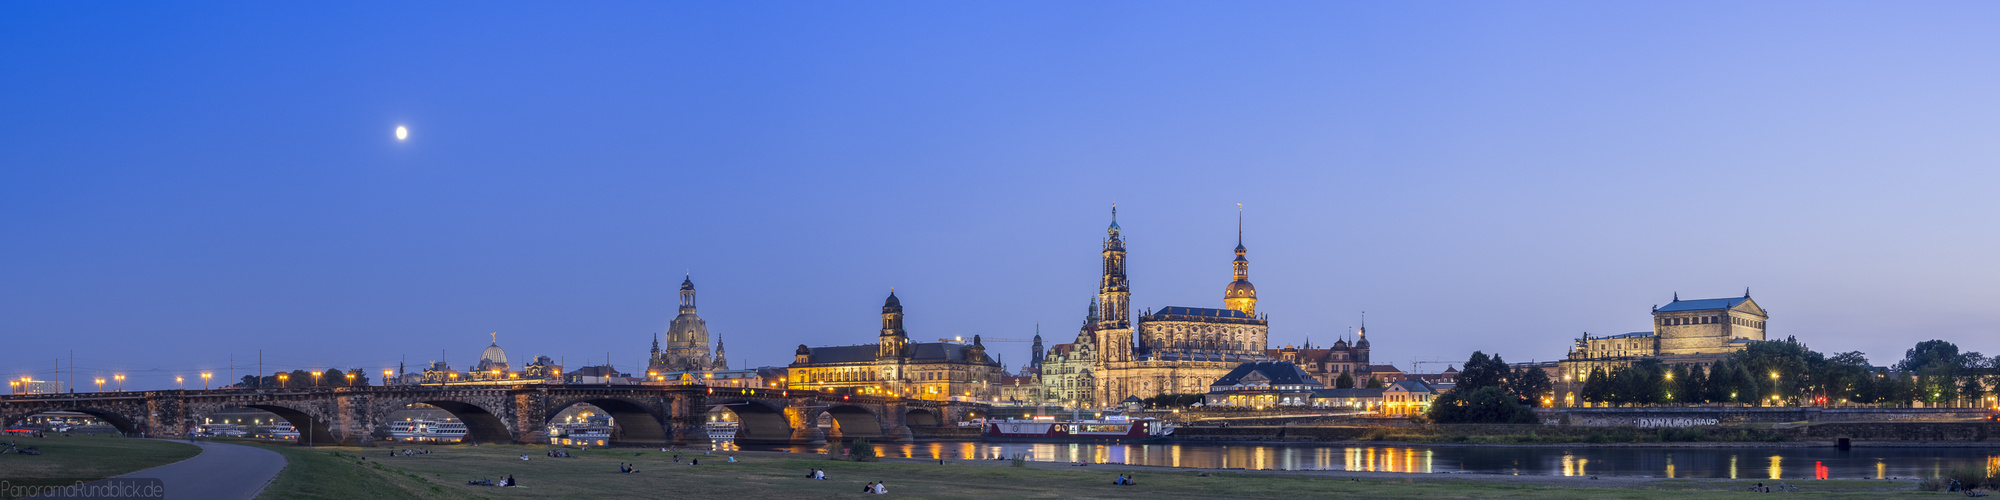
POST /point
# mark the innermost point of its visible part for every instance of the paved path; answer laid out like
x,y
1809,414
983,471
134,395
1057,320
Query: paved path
x,y
221,471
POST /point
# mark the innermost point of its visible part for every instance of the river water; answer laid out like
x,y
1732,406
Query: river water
x,y
1667,462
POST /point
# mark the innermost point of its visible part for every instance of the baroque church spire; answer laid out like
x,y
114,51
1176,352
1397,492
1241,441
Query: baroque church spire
x,y
1240,295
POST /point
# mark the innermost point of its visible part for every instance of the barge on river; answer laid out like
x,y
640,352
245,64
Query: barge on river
x,y
1113,429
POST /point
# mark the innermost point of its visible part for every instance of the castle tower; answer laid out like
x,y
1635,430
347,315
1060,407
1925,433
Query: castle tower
x,y
1240,295
1035,353
894,341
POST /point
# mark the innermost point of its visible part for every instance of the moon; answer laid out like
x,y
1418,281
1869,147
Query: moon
x,y
402,133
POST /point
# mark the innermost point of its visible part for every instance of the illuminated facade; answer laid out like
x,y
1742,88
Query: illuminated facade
x,y
687,341
897,367
1326,364
1685,332
1175,350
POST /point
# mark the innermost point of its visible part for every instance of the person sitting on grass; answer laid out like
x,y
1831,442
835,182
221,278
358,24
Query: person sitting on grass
x,y
881,488
732,459
869,488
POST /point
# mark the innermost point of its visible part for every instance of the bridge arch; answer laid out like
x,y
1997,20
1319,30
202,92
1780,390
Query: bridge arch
x,y
481,425
632,422
920,417
851,422
125,425
312,430
758,421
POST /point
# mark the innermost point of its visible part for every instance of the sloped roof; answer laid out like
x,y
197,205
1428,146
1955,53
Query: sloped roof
x,y
1201,312
1279,372
844,353
1383,369
1411,385
1347,393
947,351
1702,304
1632,335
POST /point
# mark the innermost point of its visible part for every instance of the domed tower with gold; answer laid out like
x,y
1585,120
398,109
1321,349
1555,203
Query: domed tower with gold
x,y
1240,295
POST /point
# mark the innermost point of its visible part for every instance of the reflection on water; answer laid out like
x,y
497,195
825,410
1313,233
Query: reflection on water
x,y
1779,463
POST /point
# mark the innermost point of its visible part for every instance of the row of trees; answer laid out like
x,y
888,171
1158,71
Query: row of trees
x,y
302,378
1764,373
1489,391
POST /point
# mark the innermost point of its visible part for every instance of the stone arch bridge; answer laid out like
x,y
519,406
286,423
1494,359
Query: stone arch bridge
x,y
649,416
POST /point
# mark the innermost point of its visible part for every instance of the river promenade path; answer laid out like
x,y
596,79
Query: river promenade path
x,y
221,471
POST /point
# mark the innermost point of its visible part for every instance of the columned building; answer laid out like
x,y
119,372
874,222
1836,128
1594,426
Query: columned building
x,y
1685,332
895,366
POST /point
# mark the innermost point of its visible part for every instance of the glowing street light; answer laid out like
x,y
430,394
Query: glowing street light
x,y
177,381
387,375
121,381
283,378
316,374
350,379
100,384
204,380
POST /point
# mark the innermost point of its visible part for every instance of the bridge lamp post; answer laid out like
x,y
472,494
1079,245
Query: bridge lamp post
x,y
178,381
204,380
100,384
387,375
350,379
121,381
283,379
316,374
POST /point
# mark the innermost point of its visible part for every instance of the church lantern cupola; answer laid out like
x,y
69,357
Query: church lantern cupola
x,y
1240,295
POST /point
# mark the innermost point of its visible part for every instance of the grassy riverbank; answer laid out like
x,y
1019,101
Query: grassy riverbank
x,y
66,460
370,472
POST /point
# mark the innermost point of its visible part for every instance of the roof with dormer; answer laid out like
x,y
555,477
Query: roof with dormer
x,y
1703,304
1201,312
1277,372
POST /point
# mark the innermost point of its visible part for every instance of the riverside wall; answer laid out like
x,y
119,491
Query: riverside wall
x,y
1701,416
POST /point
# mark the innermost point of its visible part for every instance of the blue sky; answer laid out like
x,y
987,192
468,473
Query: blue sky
x,y
179,182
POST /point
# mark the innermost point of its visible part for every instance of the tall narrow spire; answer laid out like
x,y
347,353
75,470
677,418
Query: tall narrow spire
x,y
1240,295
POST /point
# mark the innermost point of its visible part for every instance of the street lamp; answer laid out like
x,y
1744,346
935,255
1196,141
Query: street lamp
x,y
350,379
282,379
204,380
316,378
121,381
387,375
177,381
100,384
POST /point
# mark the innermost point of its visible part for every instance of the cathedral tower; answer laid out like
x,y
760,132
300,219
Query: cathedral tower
x,y
1240,295
1114,298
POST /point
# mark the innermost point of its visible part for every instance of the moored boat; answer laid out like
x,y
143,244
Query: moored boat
x,y
1113,428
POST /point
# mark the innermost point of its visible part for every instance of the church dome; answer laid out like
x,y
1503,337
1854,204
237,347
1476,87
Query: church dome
x,y
493,355
892,301
688,327
1239,290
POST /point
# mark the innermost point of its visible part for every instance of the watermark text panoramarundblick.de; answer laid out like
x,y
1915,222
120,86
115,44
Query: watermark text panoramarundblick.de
x,y
102,488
